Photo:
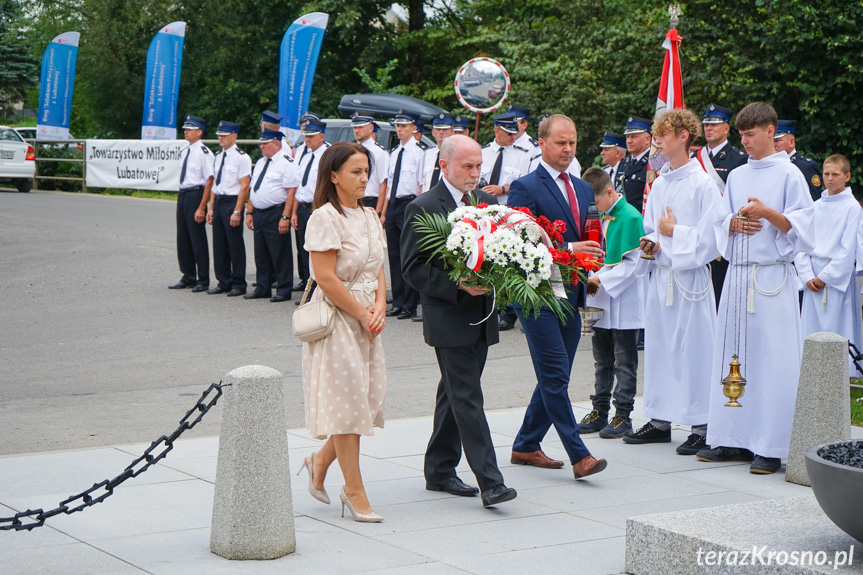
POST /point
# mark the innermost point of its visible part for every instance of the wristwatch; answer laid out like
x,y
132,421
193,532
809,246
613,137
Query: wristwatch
x,y
285,218
236,213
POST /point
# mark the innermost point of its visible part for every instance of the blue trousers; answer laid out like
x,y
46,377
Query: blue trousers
x,y
552,349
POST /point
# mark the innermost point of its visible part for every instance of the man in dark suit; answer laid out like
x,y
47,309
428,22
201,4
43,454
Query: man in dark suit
x,y
453,315
552,192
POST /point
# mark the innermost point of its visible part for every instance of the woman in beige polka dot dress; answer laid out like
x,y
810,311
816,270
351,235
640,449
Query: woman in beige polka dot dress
x,y
344,374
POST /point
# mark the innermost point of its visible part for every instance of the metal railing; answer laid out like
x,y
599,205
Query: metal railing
x,y
74,151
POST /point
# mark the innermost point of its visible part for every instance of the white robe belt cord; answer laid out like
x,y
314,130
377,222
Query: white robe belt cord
x,y
824,289
753,284
688,295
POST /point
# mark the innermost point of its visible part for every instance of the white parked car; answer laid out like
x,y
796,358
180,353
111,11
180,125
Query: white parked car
x,y
17,160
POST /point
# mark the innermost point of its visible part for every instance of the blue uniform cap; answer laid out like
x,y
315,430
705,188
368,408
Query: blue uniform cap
x,y
784,127
225,128
717,114
636,125
270,135
419,128
194,123
506,122
358,120
314,126
459,124
271,117
310,116
611,139
542,119
405,118
520,112
443,120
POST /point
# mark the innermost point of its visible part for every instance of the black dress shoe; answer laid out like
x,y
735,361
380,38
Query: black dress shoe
x,y
406,314
417,319
498,494
199,288
280,298
301,286
180,285
394,312
236,291
216,290
505,325
257,295
454,486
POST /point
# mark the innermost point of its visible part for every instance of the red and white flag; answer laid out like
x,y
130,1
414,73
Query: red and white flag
x,y
671,84
670,97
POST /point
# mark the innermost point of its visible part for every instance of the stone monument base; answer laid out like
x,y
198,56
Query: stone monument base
x,y
775,537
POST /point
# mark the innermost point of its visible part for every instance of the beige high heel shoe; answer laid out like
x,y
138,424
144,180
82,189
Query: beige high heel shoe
x,y
359,517
319,494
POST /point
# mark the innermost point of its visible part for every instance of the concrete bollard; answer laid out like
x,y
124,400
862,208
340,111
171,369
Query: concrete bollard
x,y
823,410
253,515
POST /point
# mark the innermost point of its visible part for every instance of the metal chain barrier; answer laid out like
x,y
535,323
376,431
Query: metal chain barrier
x,y
104,489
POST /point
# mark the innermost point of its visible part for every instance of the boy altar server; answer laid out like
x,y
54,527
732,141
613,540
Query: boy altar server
x,y
680,314
830,301
621,295
772,192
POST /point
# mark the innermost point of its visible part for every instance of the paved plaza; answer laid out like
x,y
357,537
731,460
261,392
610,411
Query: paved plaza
x,y
98,358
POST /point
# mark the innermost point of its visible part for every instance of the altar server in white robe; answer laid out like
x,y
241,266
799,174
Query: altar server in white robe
x,y
680,311
761,291
830,301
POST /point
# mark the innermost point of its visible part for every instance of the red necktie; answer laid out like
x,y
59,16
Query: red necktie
x,y
573,203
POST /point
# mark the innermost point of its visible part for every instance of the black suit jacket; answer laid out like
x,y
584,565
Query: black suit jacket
x,y
447,310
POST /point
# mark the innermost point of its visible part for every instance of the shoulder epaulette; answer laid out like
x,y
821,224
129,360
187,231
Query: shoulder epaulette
x,y
327,144
533,142
539,155
288,157
241,152
519,148
487,145
206,149
738,152
380,146
220,151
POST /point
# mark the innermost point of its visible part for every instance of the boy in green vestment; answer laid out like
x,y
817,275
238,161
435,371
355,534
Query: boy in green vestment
x,y
621,295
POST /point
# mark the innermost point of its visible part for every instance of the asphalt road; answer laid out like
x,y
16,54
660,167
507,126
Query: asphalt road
x,y
96,351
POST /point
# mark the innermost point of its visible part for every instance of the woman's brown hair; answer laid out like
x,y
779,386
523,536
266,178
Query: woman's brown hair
x,y
332,161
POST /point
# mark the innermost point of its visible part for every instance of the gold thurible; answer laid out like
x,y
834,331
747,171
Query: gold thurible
x,y
733,385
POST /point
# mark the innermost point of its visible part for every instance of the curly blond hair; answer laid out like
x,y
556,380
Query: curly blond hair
x,y
676,121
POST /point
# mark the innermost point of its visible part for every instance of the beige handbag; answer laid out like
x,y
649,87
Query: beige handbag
x,y
316,319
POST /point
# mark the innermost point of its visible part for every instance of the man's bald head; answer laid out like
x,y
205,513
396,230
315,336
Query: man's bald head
x,y
460,162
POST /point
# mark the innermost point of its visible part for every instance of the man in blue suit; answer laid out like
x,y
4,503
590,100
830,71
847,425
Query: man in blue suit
x,y
552,192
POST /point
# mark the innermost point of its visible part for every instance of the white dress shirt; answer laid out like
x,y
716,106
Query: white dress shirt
x,y
233,164
379,168
512,165
306,193
199,167
411,177
281,174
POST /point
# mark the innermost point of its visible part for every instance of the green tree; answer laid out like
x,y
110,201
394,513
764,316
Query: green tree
x,y
19,70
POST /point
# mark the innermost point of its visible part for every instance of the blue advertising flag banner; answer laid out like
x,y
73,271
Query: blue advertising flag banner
x,y
162,83
56,87
301,47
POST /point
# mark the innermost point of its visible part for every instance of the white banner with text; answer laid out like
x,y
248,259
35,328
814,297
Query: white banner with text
x,y
135,164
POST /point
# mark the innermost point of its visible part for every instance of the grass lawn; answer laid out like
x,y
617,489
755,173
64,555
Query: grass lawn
x,y
856,407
